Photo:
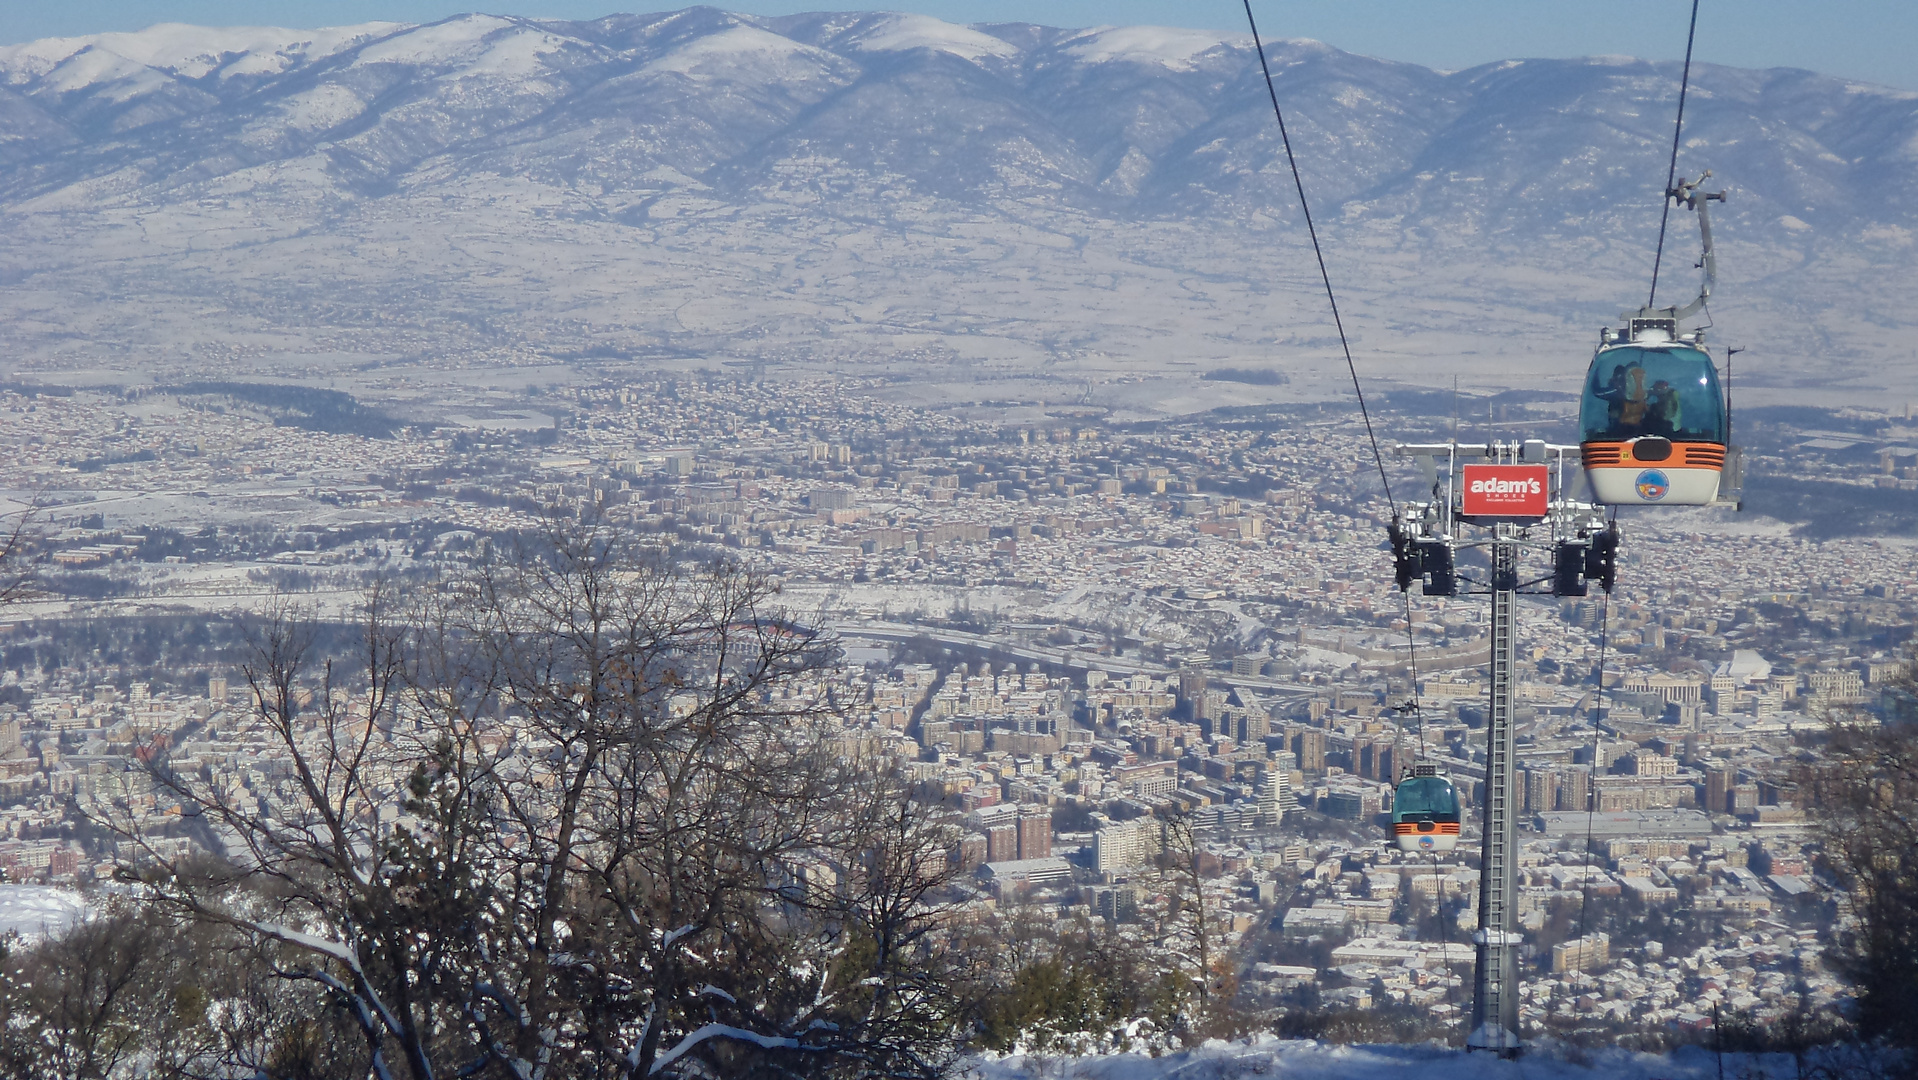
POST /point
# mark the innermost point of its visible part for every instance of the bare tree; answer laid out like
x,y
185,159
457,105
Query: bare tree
x,y
18,578
75,1007
128,992
1863,799
682,831
890,1000
1188,934
333,871
580,813
655,785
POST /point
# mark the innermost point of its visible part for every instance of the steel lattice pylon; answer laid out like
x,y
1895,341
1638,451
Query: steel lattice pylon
x,y
1495,981
1425,540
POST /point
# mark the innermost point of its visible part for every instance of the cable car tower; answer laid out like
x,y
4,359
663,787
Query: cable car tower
x,y
1649,437
1508,498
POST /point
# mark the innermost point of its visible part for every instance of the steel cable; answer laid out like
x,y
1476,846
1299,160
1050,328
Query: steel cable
x,y
1671,174
1319,252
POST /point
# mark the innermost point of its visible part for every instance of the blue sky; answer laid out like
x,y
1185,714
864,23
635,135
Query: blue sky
x,y
1875,40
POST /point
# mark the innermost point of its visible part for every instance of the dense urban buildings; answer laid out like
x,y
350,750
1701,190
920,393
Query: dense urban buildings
x,y
1138,661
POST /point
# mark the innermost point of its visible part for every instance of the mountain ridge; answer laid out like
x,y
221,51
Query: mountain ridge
x,y
1031,168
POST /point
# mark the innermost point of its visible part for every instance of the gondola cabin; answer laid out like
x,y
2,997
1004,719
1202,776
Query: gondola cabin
x,y
1425,811
1653,419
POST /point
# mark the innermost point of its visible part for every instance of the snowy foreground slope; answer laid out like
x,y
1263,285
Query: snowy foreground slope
x,y
1083,207
1298,1060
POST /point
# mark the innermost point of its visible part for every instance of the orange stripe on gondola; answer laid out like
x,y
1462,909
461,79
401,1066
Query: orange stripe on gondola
x,y
1617,455
1439,828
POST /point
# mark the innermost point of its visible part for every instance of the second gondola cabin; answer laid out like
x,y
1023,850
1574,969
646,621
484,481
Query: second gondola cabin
x,y
1425,811
1653,419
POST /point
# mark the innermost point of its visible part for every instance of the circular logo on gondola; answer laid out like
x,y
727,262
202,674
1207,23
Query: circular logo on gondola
x,y
1652,485
1425,841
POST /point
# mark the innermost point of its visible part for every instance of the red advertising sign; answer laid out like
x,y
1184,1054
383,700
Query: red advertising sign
x,y
1505,491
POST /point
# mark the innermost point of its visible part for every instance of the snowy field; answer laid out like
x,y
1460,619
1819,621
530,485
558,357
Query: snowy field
x,y
34,910
1306,1060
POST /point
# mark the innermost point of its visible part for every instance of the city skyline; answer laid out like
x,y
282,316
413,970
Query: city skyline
x,y
1088,643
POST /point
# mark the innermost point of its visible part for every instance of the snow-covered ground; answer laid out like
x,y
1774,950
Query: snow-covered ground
x,y
1304,1060
34,910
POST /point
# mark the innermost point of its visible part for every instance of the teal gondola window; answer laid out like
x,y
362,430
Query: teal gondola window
x,y
1667,392
1421,796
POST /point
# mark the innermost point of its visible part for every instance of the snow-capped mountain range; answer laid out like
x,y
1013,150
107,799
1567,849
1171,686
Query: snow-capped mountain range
x,y
1002,200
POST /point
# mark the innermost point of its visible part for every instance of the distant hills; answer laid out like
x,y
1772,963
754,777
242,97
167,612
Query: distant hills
x,y
998,201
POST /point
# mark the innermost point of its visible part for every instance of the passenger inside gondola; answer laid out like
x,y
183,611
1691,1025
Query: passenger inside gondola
x,y
1663,410
1624,397
1634,392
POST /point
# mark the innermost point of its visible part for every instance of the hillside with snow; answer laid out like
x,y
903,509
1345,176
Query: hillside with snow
x,y
1078,210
